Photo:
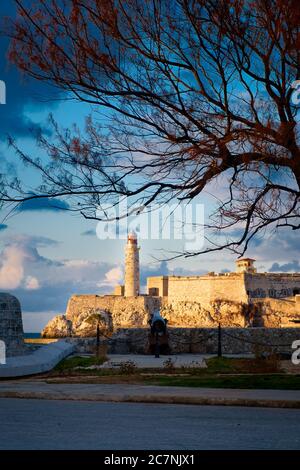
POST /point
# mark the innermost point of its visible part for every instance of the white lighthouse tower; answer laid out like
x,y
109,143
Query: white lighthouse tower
x,y
132,267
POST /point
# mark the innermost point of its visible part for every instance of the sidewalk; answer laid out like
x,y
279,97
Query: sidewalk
x,y
39,389
142,361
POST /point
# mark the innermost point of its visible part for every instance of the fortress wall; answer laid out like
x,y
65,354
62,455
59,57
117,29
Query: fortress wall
x,y
198,340
77,303
133,311
261,285
277,312
125,311
198,302
206,289
204,301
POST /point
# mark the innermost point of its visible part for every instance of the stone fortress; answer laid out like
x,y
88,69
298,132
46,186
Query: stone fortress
x,y
244,298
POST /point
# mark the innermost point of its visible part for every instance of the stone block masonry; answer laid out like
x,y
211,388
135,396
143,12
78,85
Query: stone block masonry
x,y
206,289
198,340
11,326
205,340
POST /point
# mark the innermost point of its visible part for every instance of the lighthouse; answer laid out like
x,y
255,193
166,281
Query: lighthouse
x,y
132,266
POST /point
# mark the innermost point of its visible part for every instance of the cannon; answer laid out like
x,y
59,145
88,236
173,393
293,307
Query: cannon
x,y
158,337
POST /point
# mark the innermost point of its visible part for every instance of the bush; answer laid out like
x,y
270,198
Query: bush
x,y
169,365
128,368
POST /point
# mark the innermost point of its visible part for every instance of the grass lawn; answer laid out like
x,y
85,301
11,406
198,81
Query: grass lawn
x,y
74,362
230,365
278,382
220,373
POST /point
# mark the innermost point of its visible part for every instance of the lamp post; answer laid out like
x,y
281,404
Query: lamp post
x,y
219,341
98,340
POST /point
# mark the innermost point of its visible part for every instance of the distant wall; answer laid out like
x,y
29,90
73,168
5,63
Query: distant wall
x,y
236,287
206,289
199,340
263,285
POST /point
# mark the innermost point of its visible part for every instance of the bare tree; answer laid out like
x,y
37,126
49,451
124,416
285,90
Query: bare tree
x,y
197,92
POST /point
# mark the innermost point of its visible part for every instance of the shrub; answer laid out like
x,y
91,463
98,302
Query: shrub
x,y
128,368
169,364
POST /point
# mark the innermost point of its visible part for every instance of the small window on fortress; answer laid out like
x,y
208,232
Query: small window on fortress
x,y
296,292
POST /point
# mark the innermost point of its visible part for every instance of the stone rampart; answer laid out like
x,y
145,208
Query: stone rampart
x,y
125,311
133,312
206,289
114,311
274,285
198,340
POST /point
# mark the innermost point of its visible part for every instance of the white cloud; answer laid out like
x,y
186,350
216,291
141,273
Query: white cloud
x,y
112,277
76,263
12,269
32,283
45,285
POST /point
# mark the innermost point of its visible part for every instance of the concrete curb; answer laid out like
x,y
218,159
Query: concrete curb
x,y
39,361
155,398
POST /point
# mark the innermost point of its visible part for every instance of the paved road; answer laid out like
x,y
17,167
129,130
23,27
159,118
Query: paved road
x,y
44,424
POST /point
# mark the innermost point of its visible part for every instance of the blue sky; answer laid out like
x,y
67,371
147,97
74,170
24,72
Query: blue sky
x,y
48,254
